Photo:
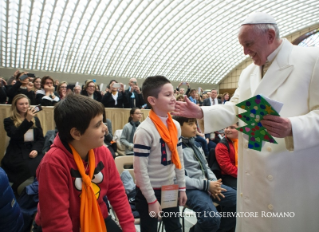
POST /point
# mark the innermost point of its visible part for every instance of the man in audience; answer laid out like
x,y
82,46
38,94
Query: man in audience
x,y
134,95
77,89
212,100
202,186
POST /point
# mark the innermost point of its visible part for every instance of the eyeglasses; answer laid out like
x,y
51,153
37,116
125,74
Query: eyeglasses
x,y
62,87
91,86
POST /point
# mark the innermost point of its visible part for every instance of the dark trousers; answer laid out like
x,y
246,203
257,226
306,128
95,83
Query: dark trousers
x,y
109,223
208,219
149,224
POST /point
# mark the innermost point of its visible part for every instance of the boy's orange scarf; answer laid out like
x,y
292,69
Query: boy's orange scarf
x,y
235,143
169,135
91,218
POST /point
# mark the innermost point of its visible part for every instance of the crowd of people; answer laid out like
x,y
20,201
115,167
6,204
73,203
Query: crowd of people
x,y
48,91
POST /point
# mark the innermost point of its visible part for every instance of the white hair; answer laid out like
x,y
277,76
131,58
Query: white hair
x,y
263,28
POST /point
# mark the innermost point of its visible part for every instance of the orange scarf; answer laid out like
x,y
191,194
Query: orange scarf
x,y
235,143
169,135
91,218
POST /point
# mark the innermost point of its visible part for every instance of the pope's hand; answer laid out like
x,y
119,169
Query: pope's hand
x,y
187,109
277,126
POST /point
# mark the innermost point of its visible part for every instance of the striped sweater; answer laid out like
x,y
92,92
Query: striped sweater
x,y
152,160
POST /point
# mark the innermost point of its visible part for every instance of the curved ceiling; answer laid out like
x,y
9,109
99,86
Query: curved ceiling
x,y
193,40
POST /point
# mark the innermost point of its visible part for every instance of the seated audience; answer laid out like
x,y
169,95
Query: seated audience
x,y
202,187
46,95
74,175
37,83
134,95
129,130
226,156
24,151
115,97
20,87
61,89
90,91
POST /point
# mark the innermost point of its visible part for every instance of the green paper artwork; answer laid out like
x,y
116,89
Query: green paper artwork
x,y
256,108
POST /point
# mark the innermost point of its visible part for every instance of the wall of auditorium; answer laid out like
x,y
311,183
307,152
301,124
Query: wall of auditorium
x,y
230,83
73,78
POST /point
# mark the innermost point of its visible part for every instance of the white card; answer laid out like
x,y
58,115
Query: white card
x,y
169,196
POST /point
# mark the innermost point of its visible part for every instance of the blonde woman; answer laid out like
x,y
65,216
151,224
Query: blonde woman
x,y
23,153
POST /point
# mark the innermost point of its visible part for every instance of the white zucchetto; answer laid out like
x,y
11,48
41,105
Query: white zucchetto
x,y
259,18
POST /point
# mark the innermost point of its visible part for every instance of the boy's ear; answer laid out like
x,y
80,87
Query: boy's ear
x,y
151,100
76,135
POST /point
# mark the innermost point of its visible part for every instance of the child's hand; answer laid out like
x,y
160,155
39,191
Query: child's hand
x,y
154,209
182,198
216,190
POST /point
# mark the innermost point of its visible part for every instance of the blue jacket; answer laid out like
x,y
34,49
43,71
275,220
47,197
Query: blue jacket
x,y
11,219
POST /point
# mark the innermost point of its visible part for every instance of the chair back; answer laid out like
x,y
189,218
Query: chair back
x,y
121,161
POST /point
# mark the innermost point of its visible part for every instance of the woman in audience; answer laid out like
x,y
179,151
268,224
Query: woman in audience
x,y
225,98
226,156
129,130
61,89
24,151
21,87
46,95
37,83
115,97
90,91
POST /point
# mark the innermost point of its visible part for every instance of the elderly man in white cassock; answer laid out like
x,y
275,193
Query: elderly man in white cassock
x,y
280,183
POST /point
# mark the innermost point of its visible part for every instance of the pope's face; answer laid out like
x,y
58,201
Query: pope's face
x,y
255,44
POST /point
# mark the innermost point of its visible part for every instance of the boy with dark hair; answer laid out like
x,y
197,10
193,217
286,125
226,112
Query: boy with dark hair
x,y
202,187
158,156
78,171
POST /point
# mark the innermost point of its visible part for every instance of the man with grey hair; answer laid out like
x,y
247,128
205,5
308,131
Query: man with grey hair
x,y
134,95
77,89
278,183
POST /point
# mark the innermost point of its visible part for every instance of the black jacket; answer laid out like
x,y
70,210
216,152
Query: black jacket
x,y
15,90
109,102
138,101
96,95
16,162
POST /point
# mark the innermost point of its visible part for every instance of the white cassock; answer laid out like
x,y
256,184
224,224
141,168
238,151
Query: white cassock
x,y
283,177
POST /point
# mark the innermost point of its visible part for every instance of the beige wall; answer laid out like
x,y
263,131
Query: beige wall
x,y
231,80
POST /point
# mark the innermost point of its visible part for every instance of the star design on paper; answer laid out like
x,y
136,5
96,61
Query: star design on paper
x,y
269,109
